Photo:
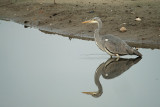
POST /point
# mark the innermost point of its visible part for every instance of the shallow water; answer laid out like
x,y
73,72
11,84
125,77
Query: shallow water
x,y
42,70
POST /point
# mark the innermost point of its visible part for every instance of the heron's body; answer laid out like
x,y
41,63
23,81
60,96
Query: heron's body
x,y
111,44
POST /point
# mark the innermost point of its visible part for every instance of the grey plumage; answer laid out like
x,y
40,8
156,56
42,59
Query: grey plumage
x,y
111,44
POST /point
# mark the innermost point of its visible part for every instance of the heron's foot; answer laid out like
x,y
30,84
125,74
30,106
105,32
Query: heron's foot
x,y
117,57
136,48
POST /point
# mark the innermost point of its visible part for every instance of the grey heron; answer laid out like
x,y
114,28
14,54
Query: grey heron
x,y
111,44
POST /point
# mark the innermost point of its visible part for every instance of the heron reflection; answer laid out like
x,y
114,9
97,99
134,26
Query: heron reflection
x,y
110,69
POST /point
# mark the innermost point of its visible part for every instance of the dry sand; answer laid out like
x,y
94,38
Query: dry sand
x,y
65,18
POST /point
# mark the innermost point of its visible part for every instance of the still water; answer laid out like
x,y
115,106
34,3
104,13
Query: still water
x,y
42,70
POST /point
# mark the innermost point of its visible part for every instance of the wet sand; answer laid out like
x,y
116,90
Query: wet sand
x,y
65,18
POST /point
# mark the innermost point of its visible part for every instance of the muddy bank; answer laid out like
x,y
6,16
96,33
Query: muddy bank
x,y
65,19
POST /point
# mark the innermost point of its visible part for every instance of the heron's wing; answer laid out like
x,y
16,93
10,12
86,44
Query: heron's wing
x,y
115,45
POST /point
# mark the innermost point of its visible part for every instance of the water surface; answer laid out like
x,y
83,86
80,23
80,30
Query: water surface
x,y
42,70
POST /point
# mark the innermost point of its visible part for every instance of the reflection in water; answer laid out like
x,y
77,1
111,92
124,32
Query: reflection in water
x,y
110,69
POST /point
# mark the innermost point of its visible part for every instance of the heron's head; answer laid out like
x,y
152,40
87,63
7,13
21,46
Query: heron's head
x,y
93,20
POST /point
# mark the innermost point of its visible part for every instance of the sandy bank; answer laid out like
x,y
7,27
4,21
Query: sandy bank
x,y
65,18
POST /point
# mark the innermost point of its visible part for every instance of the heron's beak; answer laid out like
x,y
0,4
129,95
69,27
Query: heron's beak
x,y
89,93
88,21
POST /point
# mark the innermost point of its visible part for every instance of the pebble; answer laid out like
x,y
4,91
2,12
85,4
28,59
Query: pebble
x,y
138,19
54,14
69,21
26,22
123,29
91,11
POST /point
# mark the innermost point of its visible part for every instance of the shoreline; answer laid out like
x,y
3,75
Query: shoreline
x,y
65,19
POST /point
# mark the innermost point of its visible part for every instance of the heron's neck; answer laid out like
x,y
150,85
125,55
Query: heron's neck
x,y
99,24
96,35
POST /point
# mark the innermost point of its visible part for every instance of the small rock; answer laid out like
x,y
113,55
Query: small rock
x,y
26,22
69,21
112,20
143,38
54,14
150,12
138,19
138,6
123,29
126,11
91,11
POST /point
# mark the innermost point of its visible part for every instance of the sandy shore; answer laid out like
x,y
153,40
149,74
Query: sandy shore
x,y
65,18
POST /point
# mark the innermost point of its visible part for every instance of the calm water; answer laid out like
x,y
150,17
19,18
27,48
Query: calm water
x,y
40,70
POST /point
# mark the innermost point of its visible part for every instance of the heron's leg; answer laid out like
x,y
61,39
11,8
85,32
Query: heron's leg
x,y
117,59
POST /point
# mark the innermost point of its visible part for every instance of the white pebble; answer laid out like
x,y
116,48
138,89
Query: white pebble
x,y
138,19
106,39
